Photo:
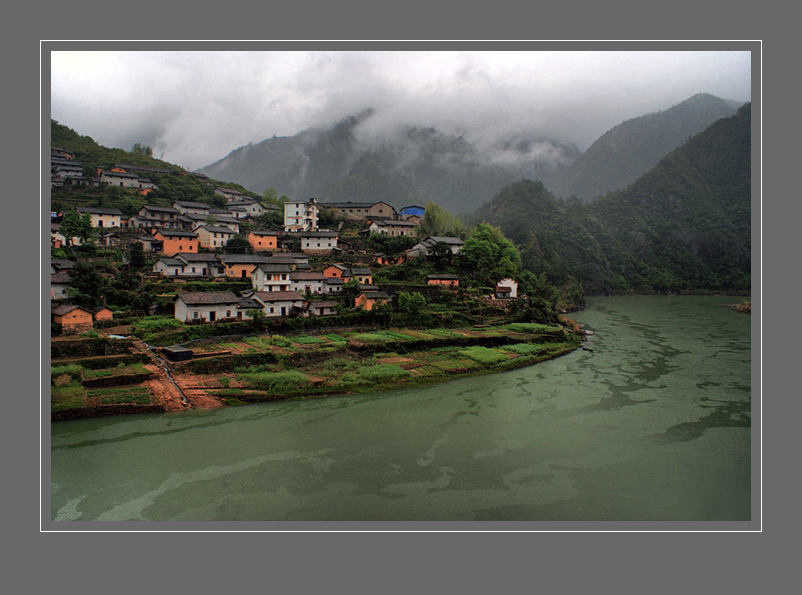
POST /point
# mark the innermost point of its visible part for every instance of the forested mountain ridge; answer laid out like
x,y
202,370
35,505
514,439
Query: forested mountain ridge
x,y
684,226
632,148
406,166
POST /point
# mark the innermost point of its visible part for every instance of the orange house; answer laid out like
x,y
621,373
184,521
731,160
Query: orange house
x,y
73,319
334,271
174,242
103,313
263,240
443,279
369,299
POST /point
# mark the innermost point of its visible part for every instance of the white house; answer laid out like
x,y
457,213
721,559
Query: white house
x,y
424,247
300,215
506,289
271,277
318,242
280,303
209,306
313,282
102,217
214,237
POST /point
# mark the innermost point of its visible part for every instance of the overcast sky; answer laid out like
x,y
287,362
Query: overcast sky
x,y
193,108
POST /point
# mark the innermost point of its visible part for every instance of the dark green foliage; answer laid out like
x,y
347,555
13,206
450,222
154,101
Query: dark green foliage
x,y
684,226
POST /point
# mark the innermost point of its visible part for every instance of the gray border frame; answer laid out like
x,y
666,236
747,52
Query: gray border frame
x,y
532,526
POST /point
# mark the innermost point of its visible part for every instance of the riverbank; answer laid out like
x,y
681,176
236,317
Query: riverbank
x,y
231,371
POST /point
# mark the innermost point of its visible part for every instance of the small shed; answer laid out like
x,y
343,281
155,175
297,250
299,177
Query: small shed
x,y
176,353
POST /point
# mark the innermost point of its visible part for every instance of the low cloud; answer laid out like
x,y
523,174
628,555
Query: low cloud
x,y
196,107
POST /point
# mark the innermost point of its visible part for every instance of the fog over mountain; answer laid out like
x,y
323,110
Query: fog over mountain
x,y
360,161
194,108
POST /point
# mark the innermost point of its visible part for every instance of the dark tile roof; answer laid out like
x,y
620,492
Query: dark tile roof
x,y
197,257
442,276
310,276
323,233
217,229
208,298
266,232
170,233
278,296
375,295
242,259
67,308
274,268
191,204
98,210
60,278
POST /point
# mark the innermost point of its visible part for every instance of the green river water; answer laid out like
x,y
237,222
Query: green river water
x,y
650,422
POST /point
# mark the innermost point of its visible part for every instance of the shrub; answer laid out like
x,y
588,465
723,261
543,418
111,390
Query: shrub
x,y
74,370
276,381
155,324
484,355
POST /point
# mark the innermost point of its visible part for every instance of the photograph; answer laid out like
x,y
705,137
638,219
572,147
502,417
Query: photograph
x,y
401,286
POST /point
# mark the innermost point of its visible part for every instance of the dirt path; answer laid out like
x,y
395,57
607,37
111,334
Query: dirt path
x,y
175,392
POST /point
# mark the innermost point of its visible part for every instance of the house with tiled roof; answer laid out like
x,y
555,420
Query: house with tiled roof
x,y
73,318
361,274
263,240
188,206
443,279
392,228
425,246
241,265
308,281
268,277
322,308
281,303
370,299
59,285
210,306
103,217
230,193
173,241
319,242
362,210
253,208
213,237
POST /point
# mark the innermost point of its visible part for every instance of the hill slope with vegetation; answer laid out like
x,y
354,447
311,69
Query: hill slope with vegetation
x,y
632,148
685,226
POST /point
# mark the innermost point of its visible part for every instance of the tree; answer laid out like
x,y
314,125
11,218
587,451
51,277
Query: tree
x,y
86,231
137,254
238,245
87,285
70,226
489,256
412,303
140,149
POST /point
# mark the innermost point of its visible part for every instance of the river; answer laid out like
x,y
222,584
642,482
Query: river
x,y
650,422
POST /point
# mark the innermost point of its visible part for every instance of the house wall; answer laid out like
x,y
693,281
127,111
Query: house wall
x,y
173,246
76,321
187,313
318,245
260,242
212,239
446,282
240,270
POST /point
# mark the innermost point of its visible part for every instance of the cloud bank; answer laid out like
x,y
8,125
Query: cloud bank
x,y
193,108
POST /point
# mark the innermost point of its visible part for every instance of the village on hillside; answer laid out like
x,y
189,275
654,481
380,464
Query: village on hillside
x,y
150,291
189,240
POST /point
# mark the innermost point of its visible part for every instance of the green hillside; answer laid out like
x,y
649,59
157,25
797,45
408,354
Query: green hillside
x,y
171,184
685,226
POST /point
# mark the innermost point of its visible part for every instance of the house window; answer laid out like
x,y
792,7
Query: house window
x,y
194,315
228,313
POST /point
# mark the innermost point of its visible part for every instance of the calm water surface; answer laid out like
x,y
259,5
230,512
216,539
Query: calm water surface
x,y
651,422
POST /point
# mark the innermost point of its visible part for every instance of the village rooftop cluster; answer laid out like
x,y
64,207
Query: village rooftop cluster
x,y
189,240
